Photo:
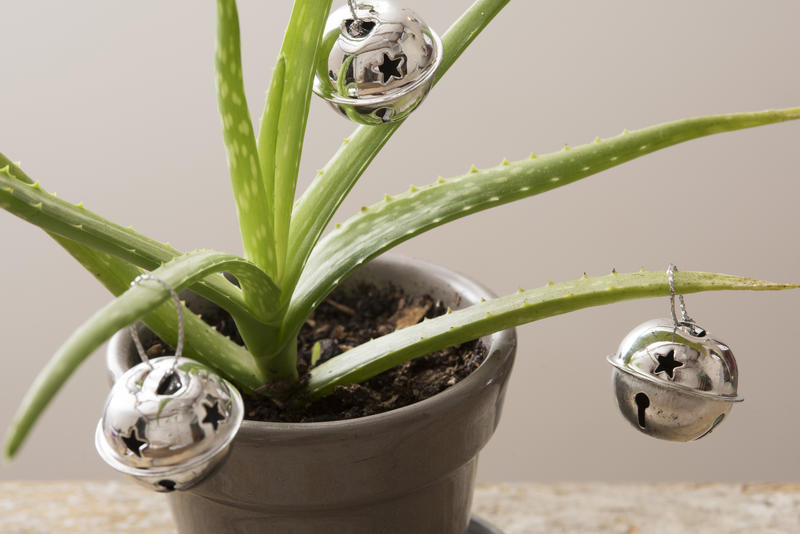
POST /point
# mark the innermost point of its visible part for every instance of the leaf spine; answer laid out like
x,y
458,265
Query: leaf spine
x,y
473,169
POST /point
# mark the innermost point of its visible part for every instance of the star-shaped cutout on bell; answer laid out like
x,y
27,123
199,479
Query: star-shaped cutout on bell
x,y
389,68
212,414
667,364
133,443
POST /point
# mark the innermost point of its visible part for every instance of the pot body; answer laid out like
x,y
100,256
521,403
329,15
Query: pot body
x,y
407,470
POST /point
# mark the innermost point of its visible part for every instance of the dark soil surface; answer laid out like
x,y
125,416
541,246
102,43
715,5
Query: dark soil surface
x,y
346,320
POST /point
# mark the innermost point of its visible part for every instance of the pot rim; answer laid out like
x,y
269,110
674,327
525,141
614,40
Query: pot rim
x,y
500,347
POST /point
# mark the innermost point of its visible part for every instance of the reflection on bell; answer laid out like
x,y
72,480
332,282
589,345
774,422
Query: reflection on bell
x,y
168,426
378,67
674,382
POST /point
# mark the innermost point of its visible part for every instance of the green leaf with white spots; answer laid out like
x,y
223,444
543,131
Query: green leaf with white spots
x,y
375,356
396,219
26,199
252,203
203,342
286,113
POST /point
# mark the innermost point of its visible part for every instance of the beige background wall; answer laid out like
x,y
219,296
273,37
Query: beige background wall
x,y
112,104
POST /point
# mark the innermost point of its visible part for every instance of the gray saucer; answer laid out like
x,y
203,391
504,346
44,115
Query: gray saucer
x,y
481,526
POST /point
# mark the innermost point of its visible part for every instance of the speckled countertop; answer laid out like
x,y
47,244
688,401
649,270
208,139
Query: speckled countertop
x,y
122,507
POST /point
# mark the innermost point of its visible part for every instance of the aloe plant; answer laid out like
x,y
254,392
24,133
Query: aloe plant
x,y
288,267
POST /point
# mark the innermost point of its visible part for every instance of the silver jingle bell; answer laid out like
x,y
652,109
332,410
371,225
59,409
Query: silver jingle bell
x,y
377,61
674,382
170,424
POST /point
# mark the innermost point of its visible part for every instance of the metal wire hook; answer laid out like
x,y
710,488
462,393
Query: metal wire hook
x,y
671,270
352,5
178,308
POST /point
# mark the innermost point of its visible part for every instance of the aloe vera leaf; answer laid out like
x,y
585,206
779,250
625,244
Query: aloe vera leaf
x,y
367,360
252,203
396,219
202,341
21,196
268,133
320,201
115,274
295,69
214,287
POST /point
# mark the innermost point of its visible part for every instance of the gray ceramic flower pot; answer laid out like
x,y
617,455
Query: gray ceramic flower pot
x,y
411,470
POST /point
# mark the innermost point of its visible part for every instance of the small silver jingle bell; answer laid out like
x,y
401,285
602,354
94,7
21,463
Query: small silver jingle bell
x,y
673,381
377,62
168,423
